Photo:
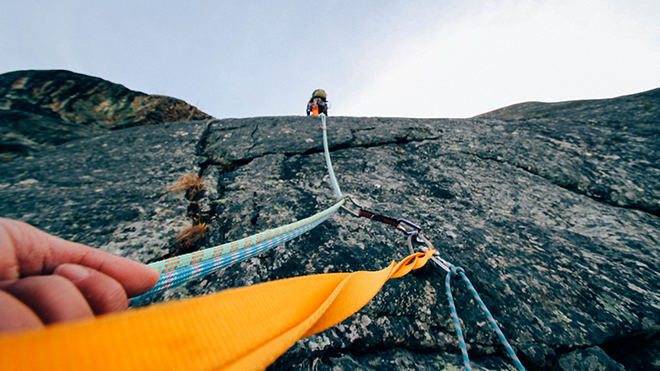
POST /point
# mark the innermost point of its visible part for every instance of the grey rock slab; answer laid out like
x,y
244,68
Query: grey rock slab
x,y
233,142
107,191
604,162
556,267
615,166
395,359
641,109
592,359
559,267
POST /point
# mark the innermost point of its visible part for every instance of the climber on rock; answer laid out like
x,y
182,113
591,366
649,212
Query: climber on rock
x,y
318,103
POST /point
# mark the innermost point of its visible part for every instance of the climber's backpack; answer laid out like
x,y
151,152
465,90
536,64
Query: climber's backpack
x,y
317,106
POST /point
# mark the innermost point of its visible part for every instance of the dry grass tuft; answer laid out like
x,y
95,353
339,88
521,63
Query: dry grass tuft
x,y
188,182
189,238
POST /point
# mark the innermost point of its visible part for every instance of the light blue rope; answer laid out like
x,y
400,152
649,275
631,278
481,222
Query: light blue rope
x,y
453,271
180,261
182,275
328,162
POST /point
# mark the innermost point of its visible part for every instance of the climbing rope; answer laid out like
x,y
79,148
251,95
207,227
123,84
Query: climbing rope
x,y
201,268
180,261
181,269
451,272
454,271
328,162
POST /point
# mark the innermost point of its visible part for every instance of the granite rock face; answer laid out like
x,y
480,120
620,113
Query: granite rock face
x,y
593,358
629,111
107,190
43,108
554,220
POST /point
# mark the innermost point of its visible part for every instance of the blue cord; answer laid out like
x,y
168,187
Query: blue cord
x,y
453,271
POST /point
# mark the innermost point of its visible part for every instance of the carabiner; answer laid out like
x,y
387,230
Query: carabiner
x,y
417,229
349,198
421,239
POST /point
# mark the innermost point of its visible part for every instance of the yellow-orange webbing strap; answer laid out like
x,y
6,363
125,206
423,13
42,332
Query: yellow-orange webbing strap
x,y
237,329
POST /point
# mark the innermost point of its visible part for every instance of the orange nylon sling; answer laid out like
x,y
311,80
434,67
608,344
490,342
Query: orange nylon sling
x,y
237,329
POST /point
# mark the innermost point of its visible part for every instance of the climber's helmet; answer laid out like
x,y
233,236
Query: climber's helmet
x,y
319,93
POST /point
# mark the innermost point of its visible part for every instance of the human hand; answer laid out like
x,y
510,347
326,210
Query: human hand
x,y
45,279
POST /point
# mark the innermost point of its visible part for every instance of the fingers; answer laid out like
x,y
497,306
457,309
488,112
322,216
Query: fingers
x,y
134,277
51,298
26,251
8,262
15,315
45,279
103,294
73,293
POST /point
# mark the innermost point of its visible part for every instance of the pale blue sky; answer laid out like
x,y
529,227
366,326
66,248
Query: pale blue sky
x,y
374,58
